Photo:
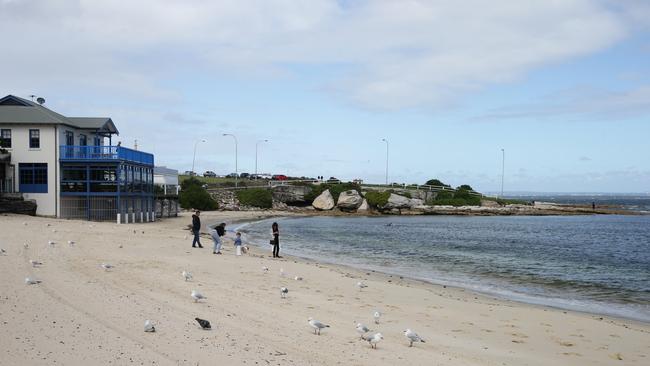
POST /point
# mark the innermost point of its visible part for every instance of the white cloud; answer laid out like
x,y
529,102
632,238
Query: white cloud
x,y
391,54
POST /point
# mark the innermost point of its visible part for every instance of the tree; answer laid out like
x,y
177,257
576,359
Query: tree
x,y
436,182
194,196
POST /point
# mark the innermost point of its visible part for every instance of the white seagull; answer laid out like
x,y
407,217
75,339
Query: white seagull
x,y
148,326
197,296
71,243
377,315
361,329
316,325
283,292
265,269
31,281
187,275
26,246
35,263
51,243
106,266
361,285
298,278
412,337
373,339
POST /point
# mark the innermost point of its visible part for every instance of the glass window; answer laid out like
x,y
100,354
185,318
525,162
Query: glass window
x,y
33,177
69,138
106,174
83,140
97,141
73,173
5,138
34,139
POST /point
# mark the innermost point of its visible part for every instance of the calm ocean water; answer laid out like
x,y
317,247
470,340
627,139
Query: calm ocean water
x,y
598,264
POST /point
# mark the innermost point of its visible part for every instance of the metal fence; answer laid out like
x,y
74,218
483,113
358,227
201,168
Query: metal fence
x,y
91,208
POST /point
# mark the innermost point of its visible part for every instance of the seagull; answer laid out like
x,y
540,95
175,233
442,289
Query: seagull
x,y
48,225
361,285
197,296
203,323
71,243
107,266
26,246
2,251
31,281
265,269
298,278
148,326
316,325
187,275
412,337
51,243
373,339
35,263
53,230
283,292
377,315
362,329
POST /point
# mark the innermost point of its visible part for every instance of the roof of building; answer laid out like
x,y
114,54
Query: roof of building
x,y
16,110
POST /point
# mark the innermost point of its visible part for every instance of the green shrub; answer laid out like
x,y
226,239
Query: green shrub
x,y
191,181
473,201
255,197
436,182
377,199
443,195
193,196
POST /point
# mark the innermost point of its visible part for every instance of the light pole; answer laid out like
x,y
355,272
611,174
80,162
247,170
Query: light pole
x,y
256,144
236,173
386,141
194,158
503,168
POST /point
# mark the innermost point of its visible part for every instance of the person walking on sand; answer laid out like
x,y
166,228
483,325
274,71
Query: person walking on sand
x,y
238,243
276,240
196,229
217,233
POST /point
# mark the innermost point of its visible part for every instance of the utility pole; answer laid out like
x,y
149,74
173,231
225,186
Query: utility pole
x,y
503,168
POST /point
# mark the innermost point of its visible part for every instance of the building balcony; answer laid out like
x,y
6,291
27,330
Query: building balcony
x,y
69,153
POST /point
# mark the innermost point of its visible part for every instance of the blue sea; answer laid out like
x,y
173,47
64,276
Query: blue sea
x,y
596,264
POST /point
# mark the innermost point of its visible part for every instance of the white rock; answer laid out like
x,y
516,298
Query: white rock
x,y
324,201
363,206
349,200
398,202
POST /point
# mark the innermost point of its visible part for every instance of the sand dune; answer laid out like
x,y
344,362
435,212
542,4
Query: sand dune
x,y
81,314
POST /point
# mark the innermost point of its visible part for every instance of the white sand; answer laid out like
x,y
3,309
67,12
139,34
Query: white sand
x,y
83,315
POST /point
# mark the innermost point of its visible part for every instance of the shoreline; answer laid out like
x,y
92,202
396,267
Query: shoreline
x,y
82,312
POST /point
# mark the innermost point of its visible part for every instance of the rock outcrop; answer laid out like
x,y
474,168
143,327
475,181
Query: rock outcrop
x,y
324,201
349,200
364,206
291,195
14,203
397,202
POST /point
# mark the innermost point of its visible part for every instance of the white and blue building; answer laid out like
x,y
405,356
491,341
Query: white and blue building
x,y
70,166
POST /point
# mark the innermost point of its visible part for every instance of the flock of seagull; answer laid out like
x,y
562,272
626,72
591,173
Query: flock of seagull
x,y
373,338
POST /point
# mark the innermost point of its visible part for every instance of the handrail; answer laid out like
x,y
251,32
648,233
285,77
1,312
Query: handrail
x,y
104,152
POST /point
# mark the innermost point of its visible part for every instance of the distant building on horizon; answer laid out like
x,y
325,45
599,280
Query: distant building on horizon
x,y
67,167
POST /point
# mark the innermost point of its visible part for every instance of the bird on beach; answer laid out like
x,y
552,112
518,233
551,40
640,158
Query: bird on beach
x,y
377,315
35,263
26,245
107,266
412,337
298,278
361,329
361,285
187,275
197,296
203,323
148,326
51,243
373,339
2,251
54,230
316,325
283,292
32,281
265,269
71,243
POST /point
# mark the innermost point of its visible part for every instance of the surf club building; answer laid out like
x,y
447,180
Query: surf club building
x,y
70,166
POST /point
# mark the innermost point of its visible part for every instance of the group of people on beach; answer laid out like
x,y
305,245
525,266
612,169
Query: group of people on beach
x,y
219,231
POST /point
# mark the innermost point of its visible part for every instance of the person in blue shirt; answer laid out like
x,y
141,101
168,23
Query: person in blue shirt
x,y
238,243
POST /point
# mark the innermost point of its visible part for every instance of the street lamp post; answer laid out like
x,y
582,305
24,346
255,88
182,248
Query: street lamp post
x,y
256,144
236,172
386,141
503,168
194,157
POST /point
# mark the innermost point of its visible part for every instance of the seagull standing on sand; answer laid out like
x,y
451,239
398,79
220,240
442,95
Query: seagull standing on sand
x,y
298,278
71,243
31,281
283,292
362,329
265,269
316,325
187,275
35,263
373,339
361,285
51,243
148,326
26,246
106,266
197,296
2,251
412,337
377,315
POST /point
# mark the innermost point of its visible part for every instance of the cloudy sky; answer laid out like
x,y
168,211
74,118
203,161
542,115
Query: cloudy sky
x,y
562,85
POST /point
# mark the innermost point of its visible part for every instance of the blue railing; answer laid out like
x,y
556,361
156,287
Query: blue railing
x,y
103,153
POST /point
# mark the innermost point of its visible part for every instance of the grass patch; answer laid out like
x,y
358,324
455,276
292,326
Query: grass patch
x,y
377,199
255,197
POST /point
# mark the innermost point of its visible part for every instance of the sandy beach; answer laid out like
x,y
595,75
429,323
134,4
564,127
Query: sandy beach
x,y
83,315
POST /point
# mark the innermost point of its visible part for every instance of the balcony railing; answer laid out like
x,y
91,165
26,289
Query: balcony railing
x,y
104,153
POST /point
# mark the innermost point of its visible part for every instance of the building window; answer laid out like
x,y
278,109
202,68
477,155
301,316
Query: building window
x,y
34,139
33,177
97,141
83,140
5,138
69,138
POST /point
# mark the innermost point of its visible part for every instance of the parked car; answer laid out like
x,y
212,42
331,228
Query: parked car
x,y
333,180
244,175
190,173
231,175
210,174
279,177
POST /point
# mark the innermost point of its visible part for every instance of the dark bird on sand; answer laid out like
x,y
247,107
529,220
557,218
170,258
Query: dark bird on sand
x,y
203,323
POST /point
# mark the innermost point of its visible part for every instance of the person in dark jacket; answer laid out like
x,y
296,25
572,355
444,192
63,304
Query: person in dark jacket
x,y
196,229
217,233
276,240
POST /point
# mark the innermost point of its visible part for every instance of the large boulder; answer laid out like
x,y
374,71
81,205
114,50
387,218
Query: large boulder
x,y
324,201
291,195
349,200
397,202
414,202
364,206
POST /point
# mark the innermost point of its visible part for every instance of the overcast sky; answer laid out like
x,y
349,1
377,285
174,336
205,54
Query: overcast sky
x,y
562,85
